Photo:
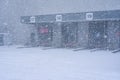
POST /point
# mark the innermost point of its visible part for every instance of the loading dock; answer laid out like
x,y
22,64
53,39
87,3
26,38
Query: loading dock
x,y
98,34
45,34
95,29
69,34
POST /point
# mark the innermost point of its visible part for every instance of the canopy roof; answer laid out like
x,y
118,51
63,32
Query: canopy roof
x,y
73,17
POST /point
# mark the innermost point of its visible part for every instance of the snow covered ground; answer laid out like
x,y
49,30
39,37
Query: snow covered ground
x,y
57,64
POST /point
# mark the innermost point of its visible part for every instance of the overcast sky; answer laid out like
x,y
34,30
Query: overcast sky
x,y
66,6
32,7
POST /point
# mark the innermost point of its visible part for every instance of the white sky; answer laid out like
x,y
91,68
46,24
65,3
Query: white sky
x,y
66,6
37,7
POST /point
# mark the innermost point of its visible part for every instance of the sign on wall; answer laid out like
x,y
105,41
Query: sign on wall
x,y
44,30
58,17
32,19
89,16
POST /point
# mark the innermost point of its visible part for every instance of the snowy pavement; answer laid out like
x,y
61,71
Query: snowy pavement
x,y
57,64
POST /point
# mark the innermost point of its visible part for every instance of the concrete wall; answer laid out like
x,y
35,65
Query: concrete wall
x,y
113,41
83,34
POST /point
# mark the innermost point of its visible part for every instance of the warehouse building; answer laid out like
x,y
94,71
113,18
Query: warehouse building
x,y
95,29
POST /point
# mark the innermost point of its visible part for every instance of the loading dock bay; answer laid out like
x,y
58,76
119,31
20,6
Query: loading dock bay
x,y
95,29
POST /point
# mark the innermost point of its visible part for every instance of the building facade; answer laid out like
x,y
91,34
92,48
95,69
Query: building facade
x,y
97,29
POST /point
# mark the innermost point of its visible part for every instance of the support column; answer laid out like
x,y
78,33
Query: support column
x,y
83,34
57,35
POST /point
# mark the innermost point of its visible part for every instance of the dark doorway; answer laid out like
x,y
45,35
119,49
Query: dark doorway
x,y
98,34
69,34
32,39
45,34
1,39
119,35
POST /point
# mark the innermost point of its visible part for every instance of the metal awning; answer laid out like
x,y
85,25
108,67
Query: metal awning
x,y
73,17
